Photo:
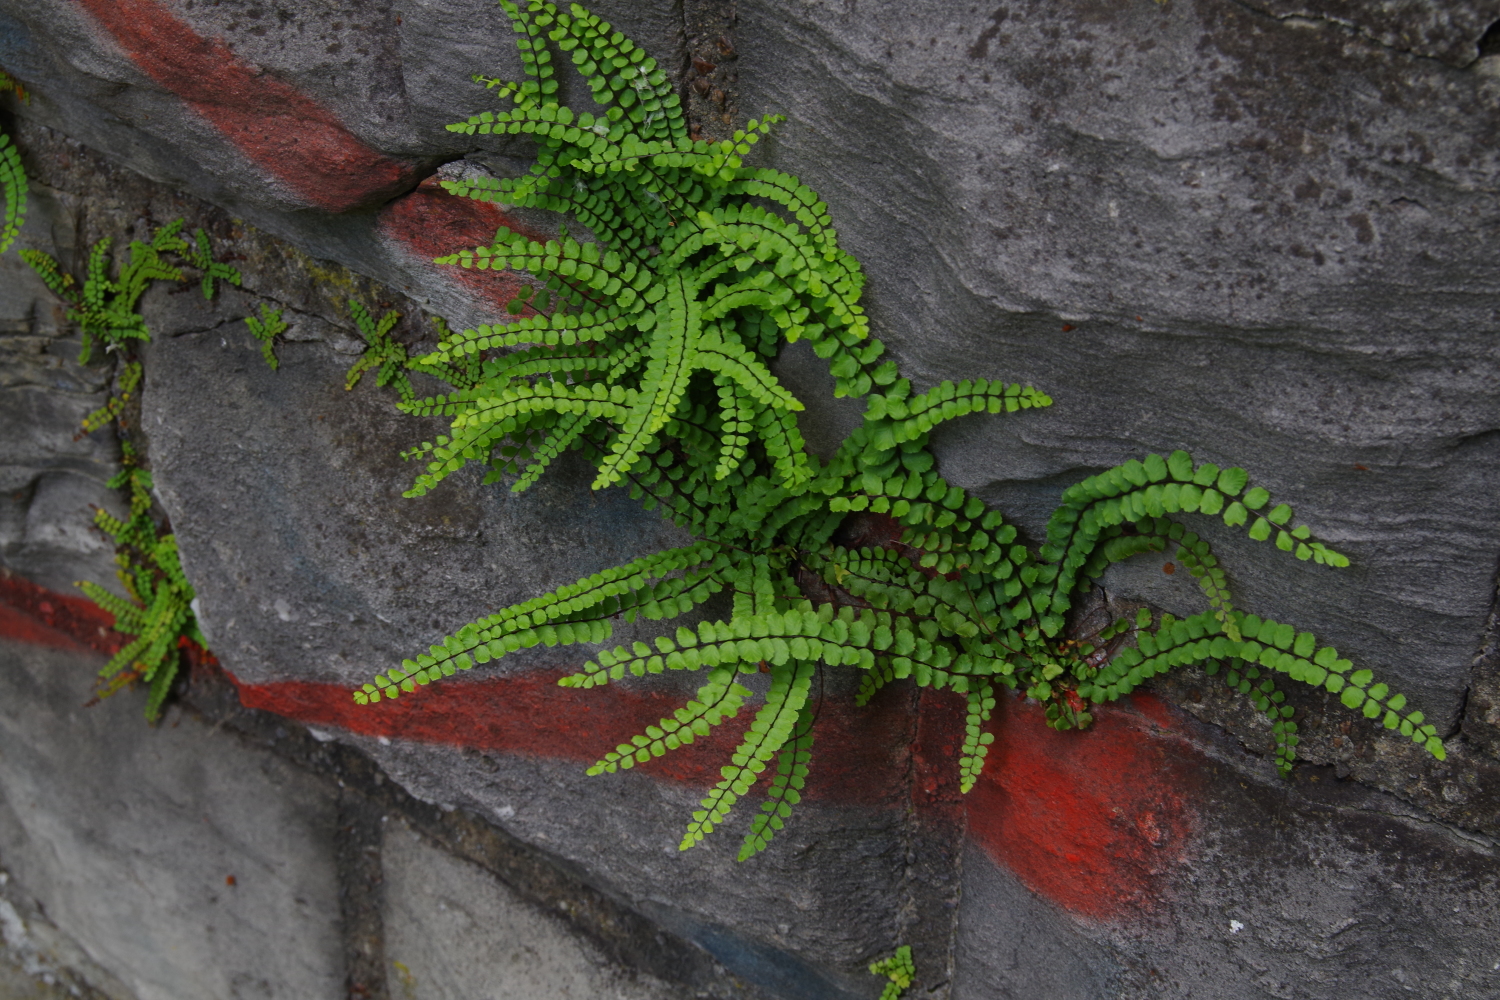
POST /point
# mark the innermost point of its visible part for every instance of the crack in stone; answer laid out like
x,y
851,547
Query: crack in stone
x,y
1352,27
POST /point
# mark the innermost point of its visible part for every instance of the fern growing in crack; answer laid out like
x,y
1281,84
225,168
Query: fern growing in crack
x,y
647,353
898,969
105,309
383,354
160,613
114,408
265,328
198,253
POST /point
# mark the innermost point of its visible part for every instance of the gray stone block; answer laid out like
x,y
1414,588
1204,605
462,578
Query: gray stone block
x,y
1315,888
455,932
184,863
1195,226
289,513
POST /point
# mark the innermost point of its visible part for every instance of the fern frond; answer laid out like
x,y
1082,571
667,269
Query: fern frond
x,y
772,727
52,275
382,354
200,255
264,329
717,700
576,613
981,700
14,184
569,427
1158,486
130,379
786,786
1276,646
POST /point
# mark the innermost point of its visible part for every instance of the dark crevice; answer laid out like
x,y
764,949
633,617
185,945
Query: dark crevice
x,y
357,845
1489,42
710,89
1480,707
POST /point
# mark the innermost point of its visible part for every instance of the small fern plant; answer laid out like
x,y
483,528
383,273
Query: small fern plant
x,y
646,351
105,310
898,969
265,328
159,612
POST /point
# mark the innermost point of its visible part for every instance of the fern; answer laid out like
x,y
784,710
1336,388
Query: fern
x,y
898,969
105,310
198,254
382,352
265,329
159,613
130,380
12,175
646,351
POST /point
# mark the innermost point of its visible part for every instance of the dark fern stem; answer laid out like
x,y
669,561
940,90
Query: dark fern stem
x,y
647,353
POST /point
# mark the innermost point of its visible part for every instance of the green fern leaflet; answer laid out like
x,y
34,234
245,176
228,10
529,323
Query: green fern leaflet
x,y
160,611
647,351
12,175
898,969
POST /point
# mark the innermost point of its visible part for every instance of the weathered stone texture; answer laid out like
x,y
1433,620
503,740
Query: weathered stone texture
x,y
453,930
182,864
1301,219
1261,230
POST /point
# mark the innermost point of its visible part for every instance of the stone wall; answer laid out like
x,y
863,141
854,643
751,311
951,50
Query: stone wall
x,y
1261,231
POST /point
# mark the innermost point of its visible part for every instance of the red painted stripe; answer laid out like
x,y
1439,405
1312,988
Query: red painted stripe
x,y
281,130
429,222
860,753
24,628
33,614
1097,822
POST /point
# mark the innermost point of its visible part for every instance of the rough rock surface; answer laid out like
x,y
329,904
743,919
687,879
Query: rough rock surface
x,y
183,865
456,931
1263,231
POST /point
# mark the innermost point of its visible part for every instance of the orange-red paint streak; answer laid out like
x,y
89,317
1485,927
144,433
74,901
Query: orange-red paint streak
x,y
1095,821
529,714
429,222
281,130
33,614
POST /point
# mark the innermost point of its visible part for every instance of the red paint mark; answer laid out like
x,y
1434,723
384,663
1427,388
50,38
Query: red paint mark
x,y
529,714
429,222
1094,821
281,130
33,614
